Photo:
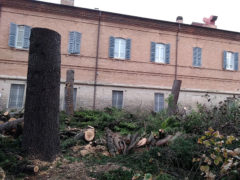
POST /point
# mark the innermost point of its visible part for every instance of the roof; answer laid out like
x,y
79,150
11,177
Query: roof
x,y
119,18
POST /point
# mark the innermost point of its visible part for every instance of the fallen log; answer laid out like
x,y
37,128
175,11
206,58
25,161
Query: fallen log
x,y
142,142
134,140
128,139
2,174
110,142
150,138
31,169
86,134
89,134
8,126
6,113
164,140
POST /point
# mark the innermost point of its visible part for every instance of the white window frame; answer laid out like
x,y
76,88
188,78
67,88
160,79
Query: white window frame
x,y
160,53
120,48
116,104
230,60
23,97
157,98
19,28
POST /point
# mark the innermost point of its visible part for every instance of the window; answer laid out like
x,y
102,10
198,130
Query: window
x,y
74,98
19,36
16,96
159,102
74,42
230,60
119,48
197,56
117,99
160,53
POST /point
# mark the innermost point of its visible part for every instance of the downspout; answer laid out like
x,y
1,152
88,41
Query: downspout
x,y
96,64
176,55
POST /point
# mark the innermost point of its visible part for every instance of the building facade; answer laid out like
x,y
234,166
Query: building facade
x,y
119,60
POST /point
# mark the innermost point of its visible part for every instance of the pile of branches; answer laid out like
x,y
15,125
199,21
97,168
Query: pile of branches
x,y
11,123
115,143
118,144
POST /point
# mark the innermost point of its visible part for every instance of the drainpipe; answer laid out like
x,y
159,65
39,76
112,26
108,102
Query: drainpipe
x,y
96,64
176,56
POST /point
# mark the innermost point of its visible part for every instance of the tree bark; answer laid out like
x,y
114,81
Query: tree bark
x,y
69,92
172,106
41,117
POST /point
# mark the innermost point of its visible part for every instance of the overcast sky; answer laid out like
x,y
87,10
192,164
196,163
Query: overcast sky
x,y
191,10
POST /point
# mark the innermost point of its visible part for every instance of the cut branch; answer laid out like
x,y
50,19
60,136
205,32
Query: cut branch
x,y
8,126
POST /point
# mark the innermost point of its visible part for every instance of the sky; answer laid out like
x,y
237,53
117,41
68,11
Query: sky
x,y
167,10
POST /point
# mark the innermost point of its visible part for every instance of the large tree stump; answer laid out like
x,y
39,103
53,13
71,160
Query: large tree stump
x,y
172,106
69,107
41,117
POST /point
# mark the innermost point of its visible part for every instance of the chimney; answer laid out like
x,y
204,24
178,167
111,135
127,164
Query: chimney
x,y
179,19
208,22
67,2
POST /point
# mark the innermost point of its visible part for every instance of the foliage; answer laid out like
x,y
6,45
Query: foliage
x,y
118,174
195,122
219,158
165,176
65,144
183,149
10,152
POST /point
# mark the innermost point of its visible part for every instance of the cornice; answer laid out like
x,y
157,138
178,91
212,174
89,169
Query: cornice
x,y
120,19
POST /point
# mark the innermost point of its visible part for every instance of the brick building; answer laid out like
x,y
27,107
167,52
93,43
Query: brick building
x,y
119,60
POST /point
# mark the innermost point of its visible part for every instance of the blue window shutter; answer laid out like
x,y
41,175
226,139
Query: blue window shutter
x,y
195,56
128,48
77,38
27,32
167,60
111,47
199,57
236,61
12,35
224,59
153,50
71,43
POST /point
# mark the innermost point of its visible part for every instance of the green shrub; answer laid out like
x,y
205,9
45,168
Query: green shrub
x,y
10,148
183,149
65,144
195,122
118,174
165,176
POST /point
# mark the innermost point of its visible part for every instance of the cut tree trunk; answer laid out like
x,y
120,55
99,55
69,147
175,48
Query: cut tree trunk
x,y
8,126
142,142
69,93
31,169
87,135
172,106
164,140
41,116
110,142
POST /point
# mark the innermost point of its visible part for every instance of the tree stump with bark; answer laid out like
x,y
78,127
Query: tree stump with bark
x,y
172,107
41,117
69,92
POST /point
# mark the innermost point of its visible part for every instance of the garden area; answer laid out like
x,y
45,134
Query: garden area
x,y
113,144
